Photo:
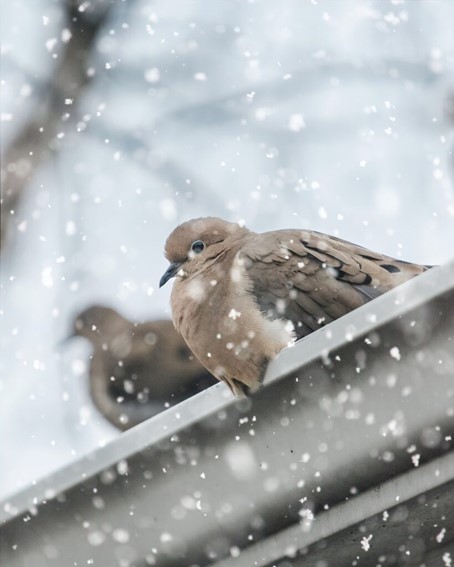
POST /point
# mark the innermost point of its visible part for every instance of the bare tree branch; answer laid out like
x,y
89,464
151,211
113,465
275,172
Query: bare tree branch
x,y
36,142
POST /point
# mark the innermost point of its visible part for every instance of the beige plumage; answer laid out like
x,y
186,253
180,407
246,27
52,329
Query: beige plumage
x,y
137,368
240,297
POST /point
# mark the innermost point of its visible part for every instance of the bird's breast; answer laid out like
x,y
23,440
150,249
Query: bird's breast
x,y
190,300
223,326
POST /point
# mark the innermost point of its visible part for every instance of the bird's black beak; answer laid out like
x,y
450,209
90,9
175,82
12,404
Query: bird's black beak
x,y
171,271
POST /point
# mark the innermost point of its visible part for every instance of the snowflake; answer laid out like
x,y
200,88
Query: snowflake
x,y
234,314
365,542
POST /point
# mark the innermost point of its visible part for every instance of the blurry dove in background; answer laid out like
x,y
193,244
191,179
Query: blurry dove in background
x,y
137,368
241,297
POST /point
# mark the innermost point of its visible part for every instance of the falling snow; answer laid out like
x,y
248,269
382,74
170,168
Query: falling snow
x,y
306,115
395,353
365,542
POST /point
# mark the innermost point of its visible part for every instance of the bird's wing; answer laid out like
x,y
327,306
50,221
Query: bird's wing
x,y
312,278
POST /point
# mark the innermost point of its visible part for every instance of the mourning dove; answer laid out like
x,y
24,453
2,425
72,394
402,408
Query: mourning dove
x,y
241,297
137,369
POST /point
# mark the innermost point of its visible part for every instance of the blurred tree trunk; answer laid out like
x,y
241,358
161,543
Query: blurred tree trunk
x,y
37,140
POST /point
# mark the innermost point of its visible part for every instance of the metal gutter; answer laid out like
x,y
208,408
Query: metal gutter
x,y
373,513
336,417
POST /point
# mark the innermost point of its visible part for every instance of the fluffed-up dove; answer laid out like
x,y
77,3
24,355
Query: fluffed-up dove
x,y
241,297
137,369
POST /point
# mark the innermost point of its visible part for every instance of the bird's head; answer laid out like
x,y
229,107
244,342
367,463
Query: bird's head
x,y
95,321
194,245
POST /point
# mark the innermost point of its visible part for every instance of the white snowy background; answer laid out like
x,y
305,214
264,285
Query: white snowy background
x,y
328,115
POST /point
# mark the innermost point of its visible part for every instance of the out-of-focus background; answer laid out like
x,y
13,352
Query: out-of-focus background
x,y
122,119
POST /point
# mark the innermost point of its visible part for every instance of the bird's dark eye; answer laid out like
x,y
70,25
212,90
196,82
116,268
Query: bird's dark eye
x,y
197,246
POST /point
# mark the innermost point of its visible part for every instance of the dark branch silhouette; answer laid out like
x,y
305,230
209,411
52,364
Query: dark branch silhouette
x,y
37,142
